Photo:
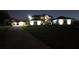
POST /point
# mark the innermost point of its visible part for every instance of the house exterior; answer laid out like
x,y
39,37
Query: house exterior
x,y
16,23
39,19
61,20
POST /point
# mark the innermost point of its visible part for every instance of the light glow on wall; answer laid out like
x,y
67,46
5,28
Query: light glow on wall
x,y
22,23
18,24
14,23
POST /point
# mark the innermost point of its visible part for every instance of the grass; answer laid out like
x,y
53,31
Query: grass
x,y
56,36
4,28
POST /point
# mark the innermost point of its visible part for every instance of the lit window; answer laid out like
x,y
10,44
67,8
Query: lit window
x,y
38,22
61,21
68,21
31,22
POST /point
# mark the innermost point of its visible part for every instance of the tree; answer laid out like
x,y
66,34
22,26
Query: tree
x,y
4,16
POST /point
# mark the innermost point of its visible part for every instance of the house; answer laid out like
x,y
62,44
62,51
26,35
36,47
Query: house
x,y
39,19
20,23
61,20
17,23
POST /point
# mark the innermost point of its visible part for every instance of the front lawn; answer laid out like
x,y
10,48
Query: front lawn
x,y
56,36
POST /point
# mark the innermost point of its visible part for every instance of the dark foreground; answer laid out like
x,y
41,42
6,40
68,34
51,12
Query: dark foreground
x,y
57,37
40,37
17,38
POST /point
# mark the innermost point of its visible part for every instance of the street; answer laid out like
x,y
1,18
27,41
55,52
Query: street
x,y
17,38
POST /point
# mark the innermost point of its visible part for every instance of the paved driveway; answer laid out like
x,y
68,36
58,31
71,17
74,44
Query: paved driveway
x,y
17,38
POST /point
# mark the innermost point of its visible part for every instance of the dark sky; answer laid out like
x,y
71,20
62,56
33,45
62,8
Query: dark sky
x,y
23,13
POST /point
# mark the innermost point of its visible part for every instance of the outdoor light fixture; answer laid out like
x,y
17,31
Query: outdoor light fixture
x,y
61,21
32,23
68,21
38,22
30,17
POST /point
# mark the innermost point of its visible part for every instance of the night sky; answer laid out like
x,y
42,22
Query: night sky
x,y
21,14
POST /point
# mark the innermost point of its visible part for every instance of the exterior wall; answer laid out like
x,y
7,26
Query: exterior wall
x,y
45,19
18,23
62,22
35,22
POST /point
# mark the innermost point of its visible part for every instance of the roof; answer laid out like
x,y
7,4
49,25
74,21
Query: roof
x,y
63,17
38,17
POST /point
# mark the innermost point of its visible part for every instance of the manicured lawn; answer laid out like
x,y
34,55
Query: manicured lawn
x,y
56,36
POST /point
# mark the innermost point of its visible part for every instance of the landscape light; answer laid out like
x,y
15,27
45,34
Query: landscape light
x,y
30,17
61,21
68,21
32,23
38,22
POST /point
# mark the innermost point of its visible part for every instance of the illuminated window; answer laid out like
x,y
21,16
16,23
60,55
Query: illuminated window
x,y
38,22
61,21
31,22
68,21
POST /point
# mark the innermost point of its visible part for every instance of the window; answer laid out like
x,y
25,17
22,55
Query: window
x,y
61,21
